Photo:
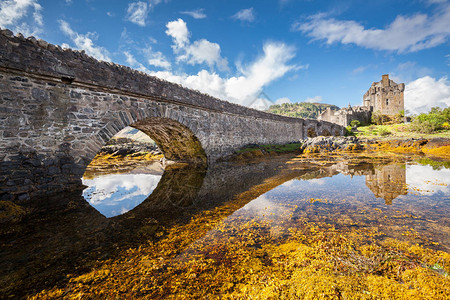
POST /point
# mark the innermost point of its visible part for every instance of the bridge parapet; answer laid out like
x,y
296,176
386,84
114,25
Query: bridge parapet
x,y
72,66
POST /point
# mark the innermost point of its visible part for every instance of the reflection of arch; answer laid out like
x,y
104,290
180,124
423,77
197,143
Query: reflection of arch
x,y
176,191
178,187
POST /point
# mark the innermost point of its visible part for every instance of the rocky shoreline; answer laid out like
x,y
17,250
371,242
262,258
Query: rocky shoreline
x,y
129,148
437,147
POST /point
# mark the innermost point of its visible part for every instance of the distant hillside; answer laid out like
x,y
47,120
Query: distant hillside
x,y
300,109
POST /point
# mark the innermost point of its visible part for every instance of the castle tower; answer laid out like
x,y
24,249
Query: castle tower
x,y
385,96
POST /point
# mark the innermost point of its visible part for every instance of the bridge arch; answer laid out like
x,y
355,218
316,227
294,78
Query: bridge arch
x,y
170,130
175,140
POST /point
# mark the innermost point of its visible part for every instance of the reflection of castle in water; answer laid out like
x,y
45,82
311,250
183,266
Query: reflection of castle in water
x,y
388,182
385,181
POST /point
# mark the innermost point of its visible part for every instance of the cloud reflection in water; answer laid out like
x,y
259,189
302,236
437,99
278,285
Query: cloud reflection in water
x,y
116,194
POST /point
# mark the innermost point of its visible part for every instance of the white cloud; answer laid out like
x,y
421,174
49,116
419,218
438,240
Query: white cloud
x,y
283,100
404,34
316,181
316,99
409,71
260,104
246,88
436,1
68,2
426,92
156,59
204,81
245,15
14,12
203,51
196,14
84,42
270,66
179,33
137,12
198,52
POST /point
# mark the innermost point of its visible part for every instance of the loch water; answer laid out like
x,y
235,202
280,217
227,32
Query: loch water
x,y
125,206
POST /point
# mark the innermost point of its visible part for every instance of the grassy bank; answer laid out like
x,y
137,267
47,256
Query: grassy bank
x,y
396,131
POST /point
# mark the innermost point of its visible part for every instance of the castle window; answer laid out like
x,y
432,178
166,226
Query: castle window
x,y
387,101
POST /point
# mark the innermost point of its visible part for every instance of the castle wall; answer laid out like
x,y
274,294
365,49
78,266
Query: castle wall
x,y
346,115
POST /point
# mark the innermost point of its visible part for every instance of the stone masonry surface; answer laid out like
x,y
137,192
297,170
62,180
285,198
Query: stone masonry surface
x,y
59,107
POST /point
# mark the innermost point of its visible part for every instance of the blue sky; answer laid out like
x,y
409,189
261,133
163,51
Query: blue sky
x,y
289,50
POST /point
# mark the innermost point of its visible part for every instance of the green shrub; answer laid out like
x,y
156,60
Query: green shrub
x,y
378,118
399,117
355,123
348,130
431,122
383,131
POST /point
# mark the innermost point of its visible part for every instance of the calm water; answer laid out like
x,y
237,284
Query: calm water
x,y
43,240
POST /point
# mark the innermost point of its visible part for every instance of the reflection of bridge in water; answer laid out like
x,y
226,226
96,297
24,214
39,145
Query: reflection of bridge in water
x,y
76,234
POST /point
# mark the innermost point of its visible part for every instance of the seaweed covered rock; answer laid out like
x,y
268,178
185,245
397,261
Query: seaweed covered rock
x,y
124,149
328,144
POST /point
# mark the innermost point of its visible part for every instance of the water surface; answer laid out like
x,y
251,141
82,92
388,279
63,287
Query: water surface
x,y
43,240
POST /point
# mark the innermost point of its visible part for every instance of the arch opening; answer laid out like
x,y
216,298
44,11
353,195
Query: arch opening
x,y
176,141
129,167
123,174
311,132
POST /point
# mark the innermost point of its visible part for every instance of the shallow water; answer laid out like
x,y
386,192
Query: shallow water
x,y
67,234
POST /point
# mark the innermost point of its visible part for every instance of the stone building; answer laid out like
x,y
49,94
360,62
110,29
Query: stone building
x,y
345,115
384,96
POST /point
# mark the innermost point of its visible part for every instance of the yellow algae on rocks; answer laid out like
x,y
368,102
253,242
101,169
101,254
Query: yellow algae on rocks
x,y
442,152
308,261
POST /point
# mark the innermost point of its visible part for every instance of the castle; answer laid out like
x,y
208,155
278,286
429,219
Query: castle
x,y
384,96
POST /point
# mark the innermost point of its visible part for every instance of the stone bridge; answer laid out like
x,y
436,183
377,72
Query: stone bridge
x,y
58,107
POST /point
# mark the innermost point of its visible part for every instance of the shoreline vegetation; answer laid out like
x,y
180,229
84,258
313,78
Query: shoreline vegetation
x,y
438,148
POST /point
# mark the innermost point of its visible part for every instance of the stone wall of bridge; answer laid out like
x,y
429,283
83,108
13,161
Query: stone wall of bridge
x,y
59,107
